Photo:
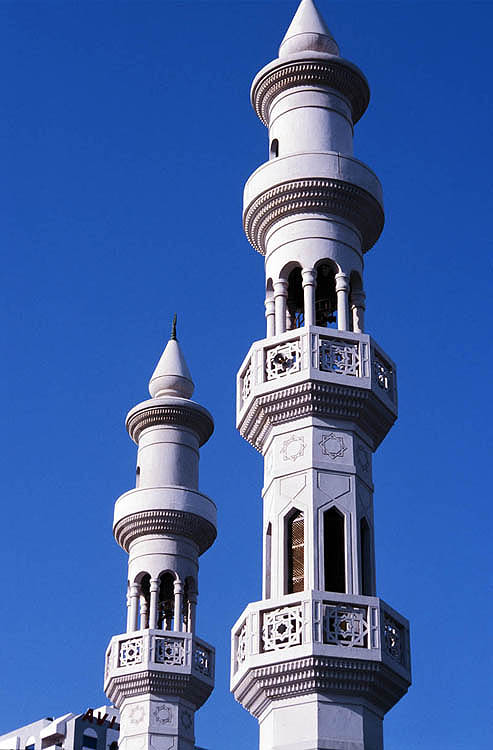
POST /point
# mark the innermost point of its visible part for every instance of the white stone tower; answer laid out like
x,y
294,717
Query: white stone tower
x,y
159,673
320,659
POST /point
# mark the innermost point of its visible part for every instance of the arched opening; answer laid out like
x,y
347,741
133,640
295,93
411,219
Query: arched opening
x,y
274,148
295,552
89,739
295,302
268,555
325,296
365,557
189,600
145,600
334,551
137,477
356,302
166,601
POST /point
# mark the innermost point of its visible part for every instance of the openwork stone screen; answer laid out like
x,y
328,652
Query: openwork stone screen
x,y
361,624
130,652
340,357
170,651
283,360
202,661
346,626
282,628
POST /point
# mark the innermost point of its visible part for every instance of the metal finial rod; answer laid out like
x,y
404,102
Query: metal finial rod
x,y
173,328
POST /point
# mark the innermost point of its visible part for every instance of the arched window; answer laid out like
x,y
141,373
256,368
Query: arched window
x,y
145,600
325,296
334,551
274,148
268,554
89,739
166,603
295,542
295,302
189,598
137,477
365,557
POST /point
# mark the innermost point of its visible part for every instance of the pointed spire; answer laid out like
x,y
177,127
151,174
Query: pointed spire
x,y
172,376
308,32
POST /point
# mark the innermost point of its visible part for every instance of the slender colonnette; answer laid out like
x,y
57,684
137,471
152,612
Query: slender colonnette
x,y
321,659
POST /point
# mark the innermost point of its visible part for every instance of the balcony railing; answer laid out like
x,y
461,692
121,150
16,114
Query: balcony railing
x,y
327,354
159,650
343,625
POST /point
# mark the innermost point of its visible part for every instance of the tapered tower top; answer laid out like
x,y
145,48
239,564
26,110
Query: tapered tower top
x,y
172,376
308,31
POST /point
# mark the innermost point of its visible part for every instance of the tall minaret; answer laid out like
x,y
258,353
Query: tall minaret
x,y
159,673
320,659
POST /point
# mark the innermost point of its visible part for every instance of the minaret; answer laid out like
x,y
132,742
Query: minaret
x,y
321,658
159,673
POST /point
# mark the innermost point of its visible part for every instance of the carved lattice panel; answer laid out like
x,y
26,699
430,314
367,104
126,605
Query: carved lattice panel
x,y
339,357
170,651
392,640
384,375
246,383
282,628
241,645
202,661
130,652
283,360
346,625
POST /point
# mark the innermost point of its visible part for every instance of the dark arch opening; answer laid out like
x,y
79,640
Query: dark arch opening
x,y
334,551
295,542
274,148
166,603
365,556
325,296
268,555
295,302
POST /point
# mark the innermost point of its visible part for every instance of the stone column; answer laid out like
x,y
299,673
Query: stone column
x,y
144,613
342,290
309,295
280,300
358,310
154,587
270,315
178,591
133,612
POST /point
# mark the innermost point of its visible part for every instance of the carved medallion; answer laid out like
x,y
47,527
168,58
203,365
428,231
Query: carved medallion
x,y
333,446
136,714
293,448
162,714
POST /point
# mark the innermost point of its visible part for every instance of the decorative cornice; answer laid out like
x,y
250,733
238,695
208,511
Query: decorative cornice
x,y
314,398
189,525
314,195
188,686
187,415
334,74
371,681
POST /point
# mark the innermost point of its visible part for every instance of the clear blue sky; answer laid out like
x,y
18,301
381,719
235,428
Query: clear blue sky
x,y
126,135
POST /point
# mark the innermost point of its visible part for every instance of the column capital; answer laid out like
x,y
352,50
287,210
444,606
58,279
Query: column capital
x,y
342,282
178,587
309,275
280,287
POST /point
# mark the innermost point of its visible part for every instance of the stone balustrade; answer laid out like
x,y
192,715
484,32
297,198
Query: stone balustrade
x,y
327,355
328,624
160,651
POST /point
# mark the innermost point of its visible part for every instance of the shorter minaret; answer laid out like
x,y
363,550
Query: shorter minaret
x,y
159,673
